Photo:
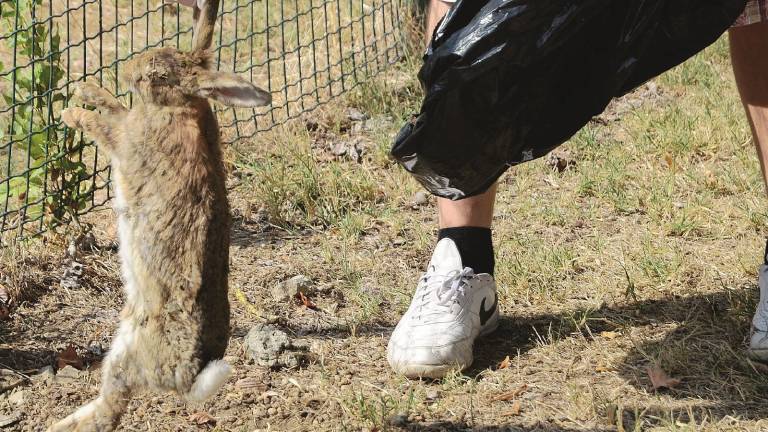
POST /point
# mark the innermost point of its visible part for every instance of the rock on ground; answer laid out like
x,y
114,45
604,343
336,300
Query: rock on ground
x,y
288,289
271,347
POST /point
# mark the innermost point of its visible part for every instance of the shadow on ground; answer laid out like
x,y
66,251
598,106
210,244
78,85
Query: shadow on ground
x,y
699,339
246,234
26,361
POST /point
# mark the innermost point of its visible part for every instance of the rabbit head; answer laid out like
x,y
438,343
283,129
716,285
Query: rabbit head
x,y
167,76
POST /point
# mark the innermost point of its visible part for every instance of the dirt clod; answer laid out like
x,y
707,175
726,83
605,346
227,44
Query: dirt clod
x,y
70,279
18,397
560,160
419,199
356,115
398,420
202,418
45,374
432,396
273,348
68,373
9,420
288,289
339,149
353,149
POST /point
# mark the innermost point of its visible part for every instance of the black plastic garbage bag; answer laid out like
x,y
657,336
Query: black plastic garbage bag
x,y
507,81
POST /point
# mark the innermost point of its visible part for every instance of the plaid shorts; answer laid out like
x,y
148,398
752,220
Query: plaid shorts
x,y
756,11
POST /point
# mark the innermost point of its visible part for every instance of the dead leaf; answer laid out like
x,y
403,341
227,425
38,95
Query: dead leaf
x,y
95,365
202,418
660,379
505,363
600,368
670,161
514,411
511,394
305,301
69,357
610,334
5,312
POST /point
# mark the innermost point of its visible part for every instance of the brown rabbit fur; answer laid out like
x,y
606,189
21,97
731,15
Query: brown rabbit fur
x,y
173,224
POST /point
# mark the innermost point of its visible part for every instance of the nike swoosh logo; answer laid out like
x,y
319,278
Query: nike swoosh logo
x,y
485,315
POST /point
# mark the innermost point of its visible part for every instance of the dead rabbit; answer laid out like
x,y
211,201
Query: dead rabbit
x,y
173,223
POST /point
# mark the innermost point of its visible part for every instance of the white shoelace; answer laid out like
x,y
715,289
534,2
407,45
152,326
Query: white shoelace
x,y
438,292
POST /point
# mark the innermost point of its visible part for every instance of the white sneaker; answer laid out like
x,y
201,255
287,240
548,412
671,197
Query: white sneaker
x,y
451,308
758,341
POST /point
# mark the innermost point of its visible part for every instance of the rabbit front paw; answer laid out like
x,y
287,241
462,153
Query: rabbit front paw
x,y
72,117
91,94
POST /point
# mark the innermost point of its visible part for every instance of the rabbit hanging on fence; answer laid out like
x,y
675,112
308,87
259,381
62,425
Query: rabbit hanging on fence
x,y
173,224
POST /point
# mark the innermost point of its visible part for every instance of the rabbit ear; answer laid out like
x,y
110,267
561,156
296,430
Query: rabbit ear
x,y
205,13
231,89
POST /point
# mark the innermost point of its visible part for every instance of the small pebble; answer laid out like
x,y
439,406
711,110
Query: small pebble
x,y
419,199
355,114
432,395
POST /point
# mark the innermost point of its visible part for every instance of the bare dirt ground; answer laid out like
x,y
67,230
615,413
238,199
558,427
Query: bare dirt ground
x,y
639,253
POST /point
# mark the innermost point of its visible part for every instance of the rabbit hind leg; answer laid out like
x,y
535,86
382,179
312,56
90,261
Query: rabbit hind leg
x,y
103,413
100,415
118,379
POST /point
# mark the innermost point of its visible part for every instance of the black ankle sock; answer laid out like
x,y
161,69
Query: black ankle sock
x,y
475,246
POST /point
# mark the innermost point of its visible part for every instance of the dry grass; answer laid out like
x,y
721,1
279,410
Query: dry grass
x,y
643,252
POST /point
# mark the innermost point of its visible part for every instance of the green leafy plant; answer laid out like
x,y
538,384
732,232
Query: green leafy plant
x,y
45,178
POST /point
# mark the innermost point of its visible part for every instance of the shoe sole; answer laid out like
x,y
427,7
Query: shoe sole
x,y
416,371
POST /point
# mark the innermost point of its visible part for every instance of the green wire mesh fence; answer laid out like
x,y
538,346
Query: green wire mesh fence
x,y
304,51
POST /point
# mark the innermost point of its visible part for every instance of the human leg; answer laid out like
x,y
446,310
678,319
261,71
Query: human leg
x,y
436,10
455,301
749,55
